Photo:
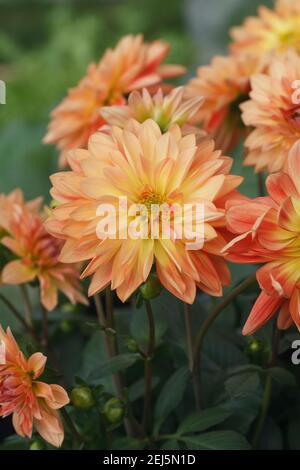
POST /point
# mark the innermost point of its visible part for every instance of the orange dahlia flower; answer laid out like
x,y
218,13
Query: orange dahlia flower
x,y
273,31
133,64
268,231
31,402
147,167
274,112
223,84
173,108
35,252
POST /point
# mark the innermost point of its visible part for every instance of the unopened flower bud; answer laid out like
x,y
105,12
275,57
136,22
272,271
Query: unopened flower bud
x,y
131,345
82,398
36,445
114,410
151,288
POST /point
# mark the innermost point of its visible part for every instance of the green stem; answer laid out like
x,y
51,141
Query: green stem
x,y
107,321
268,388
148,367
206,326
71,426
261,184
27,304
264,410
190,349
45,340
20,317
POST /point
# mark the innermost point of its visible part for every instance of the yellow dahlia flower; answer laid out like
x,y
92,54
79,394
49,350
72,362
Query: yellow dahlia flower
x,y
223,84
273,111
271,31
34,252
147,167
132,64
174,108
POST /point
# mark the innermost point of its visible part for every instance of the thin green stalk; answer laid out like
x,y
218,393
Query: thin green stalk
x,y
45,339
27,304
20,317
190,348
148,367
71,426
261,184
267,389
264,411
206,326
107,321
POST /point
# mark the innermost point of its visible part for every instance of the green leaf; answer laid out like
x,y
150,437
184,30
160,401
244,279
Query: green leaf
x,y
201,421
293,434
136,390
127,443
170,445
170,396
217,440
242,385
283,376
111,366
15,443
243,410
139,328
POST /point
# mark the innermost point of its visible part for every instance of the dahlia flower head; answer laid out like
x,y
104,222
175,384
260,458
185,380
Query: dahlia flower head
x,y
31,403
267,231
34,252
272,31
131,65
223,84
147,167
274,113
165,110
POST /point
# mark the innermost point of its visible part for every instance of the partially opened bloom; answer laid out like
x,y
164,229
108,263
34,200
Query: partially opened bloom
x,y
147,167
173,108
223,84
32,403
132,64
272,31
268,231
8,202
35,254
274,112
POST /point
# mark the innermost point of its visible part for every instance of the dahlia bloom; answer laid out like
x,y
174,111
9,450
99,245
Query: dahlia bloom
x,y
272,31
223,84
273,111
268,231
35,253
173,108
133,64
31,402
147,167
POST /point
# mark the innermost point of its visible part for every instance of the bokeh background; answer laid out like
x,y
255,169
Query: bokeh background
x,y
46,45
45,48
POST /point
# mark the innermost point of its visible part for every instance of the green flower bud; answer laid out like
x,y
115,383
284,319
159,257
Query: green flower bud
x,y
68,308
114,410
254,346
131,345
65,326
257,351
36,445
151,288
82,398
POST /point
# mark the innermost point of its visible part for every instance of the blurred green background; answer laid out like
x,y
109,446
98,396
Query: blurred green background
x,y
46,45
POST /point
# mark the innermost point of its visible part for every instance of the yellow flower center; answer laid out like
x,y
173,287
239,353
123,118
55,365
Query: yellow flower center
x,y
150,197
